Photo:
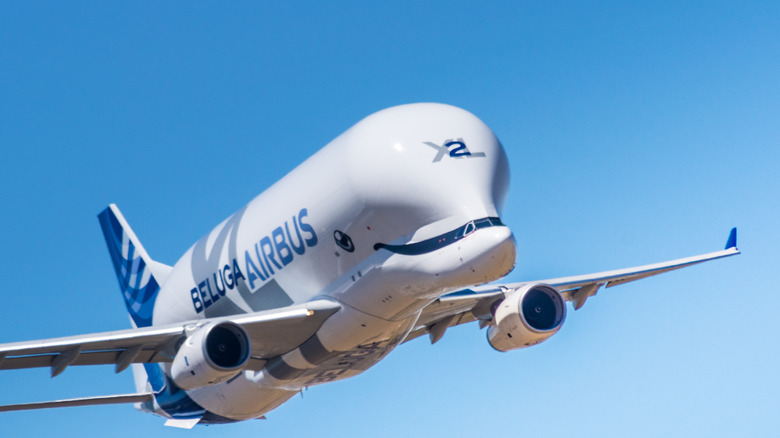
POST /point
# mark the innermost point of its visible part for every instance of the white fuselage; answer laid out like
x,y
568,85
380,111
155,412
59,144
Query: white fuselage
x,y
400,176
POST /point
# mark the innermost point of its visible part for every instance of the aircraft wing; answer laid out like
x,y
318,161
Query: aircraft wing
x,y
272,333
475,304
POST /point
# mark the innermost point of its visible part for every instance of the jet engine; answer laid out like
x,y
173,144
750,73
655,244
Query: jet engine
x,y
213,354
527,316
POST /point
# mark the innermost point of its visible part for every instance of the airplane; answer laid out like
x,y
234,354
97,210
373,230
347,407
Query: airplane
x,y
390,232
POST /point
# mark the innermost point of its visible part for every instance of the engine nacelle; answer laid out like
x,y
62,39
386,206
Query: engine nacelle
x,y
213,354
527,316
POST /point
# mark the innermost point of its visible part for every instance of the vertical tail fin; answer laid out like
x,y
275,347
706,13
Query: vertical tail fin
x,y
139,276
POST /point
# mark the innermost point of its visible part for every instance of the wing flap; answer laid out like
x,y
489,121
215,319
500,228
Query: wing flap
x,y
114,340
455,309
84,358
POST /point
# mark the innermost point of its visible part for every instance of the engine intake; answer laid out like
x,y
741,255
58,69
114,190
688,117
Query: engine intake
x,y
213,354
527,316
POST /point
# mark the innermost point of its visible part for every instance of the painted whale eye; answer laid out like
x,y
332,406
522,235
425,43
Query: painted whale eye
x,y
344,241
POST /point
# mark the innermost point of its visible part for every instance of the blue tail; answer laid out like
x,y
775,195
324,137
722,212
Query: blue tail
x,y
135,270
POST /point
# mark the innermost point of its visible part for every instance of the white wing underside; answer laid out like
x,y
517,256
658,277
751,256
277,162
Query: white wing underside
x,y
272,332
475,304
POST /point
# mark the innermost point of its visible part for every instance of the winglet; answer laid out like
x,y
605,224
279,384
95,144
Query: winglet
x,y
732,242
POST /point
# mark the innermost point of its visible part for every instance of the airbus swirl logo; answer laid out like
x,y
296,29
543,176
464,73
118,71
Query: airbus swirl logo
x,y
453,149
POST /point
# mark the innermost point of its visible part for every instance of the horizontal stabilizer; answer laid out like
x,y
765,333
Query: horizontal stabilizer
x,y
182,423
86,401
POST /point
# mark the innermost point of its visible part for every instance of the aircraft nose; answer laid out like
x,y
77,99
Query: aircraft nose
x,y
497,256
483,256
479,252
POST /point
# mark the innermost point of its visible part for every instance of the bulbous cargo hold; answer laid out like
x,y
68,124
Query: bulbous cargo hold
x,y
402,175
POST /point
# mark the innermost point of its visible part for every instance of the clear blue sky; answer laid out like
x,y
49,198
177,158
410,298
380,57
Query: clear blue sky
x,y
636,131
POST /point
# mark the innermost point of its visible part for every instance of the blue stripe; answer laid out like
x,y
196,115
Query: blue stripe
x,y
171,399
